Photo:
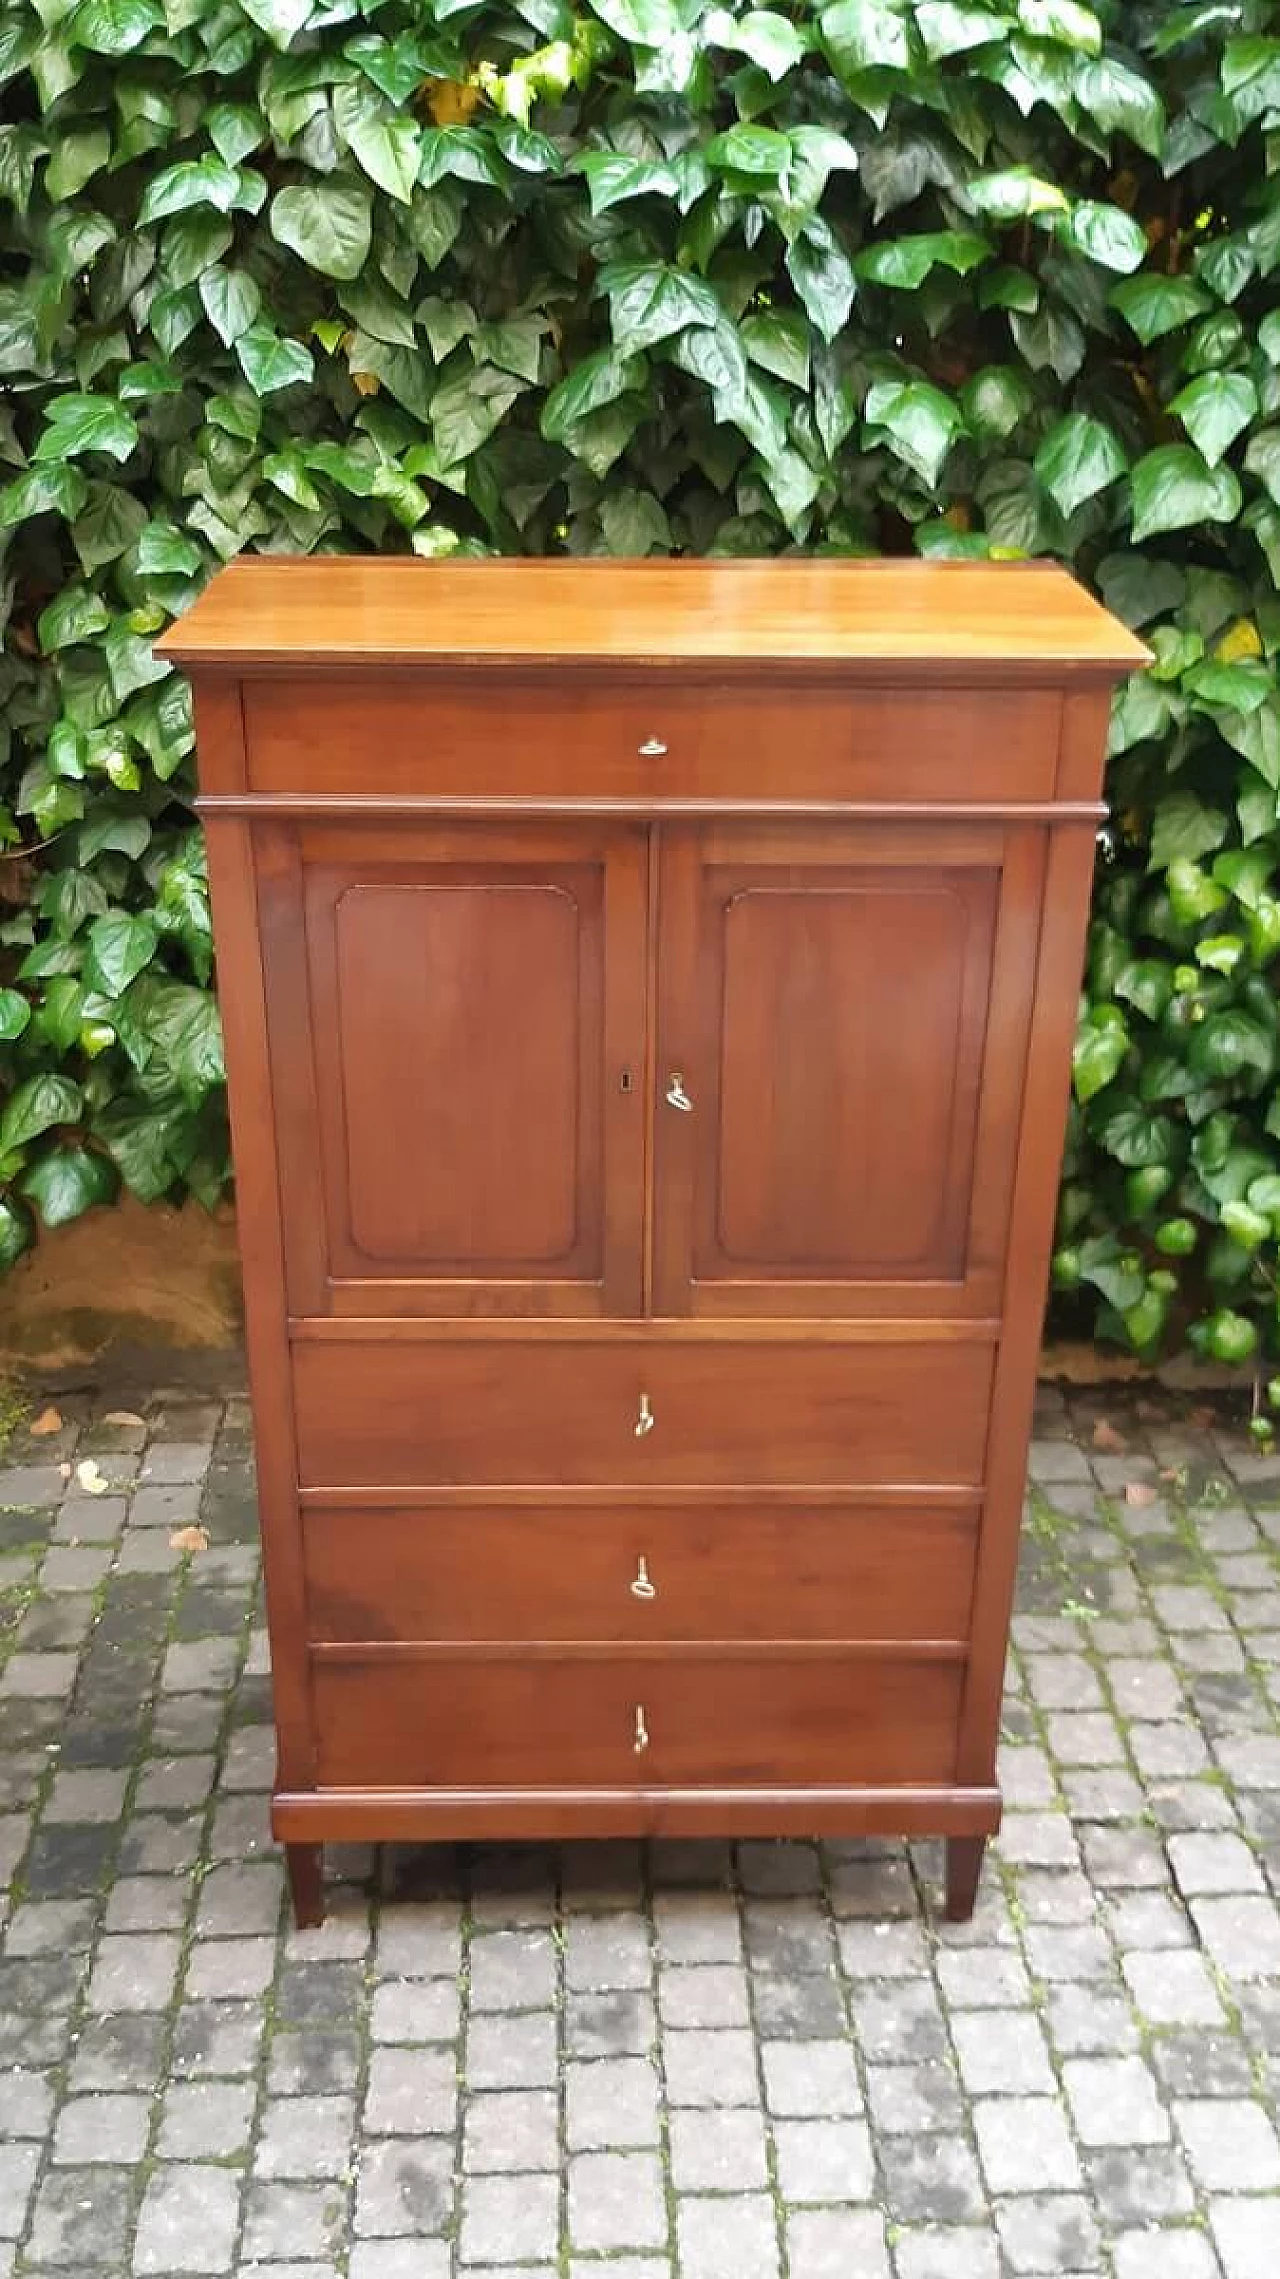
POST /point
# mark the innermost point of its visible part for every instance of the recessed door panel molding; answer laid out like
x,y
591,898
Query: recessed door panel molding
x,y
471,1007
828,1000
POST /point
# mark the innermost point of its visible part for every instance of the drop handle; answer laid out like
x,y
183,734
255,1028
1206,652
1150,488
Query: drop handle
x,y
641,1586
652,748
640,1738
645,1420
677,1097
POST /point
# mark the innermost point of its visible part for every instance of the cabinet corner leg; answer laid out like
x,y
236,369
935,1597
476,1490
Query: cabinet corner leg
x,y
964,1866
303,1863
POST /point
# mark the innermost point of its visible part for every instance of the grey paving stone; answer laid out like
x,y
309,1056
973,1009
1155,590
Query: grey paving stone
x,y
899,2025
931,2180
1048,2233
308,2061
222,1970
1244,2233
1002,2051
26,2103
1113,2101
714,2066
803,2080
907,2099
809,2008
982,1978
793,1936
1148,1919
102,2127
1198,2064
611,2102
147,1903
1241,1935
1173,1988
1137,2185
696,1926
727,2239
1231,2144
121,2052
702,1994
512,2052
960,2254
510,2129
411,2092
821,2160
609,2025
1024,2145
835,2243
134,1973
86,1796
606,1952
1180,2254
305,2137
206,2120
82,2219
509,2219
417,2010
422,1940
616,2200
18,2166
292,2219
405,2186
512,1970
720,2150
216,2037
412,2259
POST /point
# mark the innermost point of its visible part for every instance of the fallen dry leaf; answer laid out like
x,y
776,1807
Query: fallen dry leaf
x,y
90,1478
64,1471
49,1420
1140,1492
188,1539
123,1416
1107,1438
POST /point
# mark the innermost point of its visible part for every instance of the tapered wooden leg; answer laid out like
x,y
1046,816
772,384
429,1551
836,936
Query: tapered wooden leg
x,y
964,1866
303,1862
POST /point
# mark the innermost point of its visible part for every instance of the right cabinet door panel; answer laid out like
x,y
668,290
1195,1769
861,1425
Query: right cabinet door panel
x,y
843,1013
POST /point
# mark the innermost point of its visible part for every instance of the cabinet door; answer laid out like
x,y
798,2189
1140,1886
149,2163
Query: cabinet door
x,y
842,1027
456,1014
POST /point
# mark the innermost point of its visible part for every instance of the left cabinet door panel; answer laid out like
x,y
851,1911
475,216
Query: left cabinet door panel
x,y
457,1019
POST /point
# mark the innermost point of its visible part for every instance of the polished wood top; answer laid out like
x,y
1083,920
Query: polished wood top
x,y
955,620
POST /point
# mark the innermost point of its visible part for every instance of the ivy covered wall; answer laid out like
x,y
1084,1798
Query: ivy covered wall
x,y
646,276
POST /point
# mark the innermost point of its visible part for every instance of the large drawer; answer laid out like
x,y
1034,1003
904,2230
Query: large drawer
x,y
640,1413
547,1722
637,1572
433,737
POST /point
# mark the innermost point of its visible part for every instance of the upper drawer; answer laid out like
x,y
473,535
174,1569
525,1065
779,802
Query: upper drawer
x,y
638,1413
448,737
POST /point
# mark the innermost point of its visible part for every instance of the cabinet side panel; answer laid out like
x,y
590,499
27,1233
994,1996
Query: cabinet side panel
x,y
233,893
1065,910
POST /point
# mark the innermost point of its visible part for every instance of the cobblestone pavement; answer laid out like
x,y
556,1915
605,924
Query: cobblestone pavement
x,y
723,2063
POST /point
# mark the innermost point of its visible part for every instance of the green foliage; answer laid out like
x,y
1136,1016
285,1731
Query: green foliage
x,y
643,276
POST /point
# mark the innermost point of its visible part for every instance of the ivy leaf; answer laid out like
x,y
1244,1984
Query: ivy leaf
x,y
1215,410
1106,234
75,424
198,182
16,1231
386,146
1122,102
269,363
64,1181
1013,195
907,261
865,35
231,300
76,614
1183,829
1062,20
1078,458
995,400
947,29
770,41
1097,1057
780,344
120,945
36,1106
329,225
612,178
822,274
112,27
15,1015
1175,489
1152,306
649,301
920,421
281,20
641,23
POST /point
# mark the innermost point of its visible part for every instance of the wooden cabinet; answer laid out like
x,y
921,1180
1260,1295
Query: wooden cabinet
x,y
649,992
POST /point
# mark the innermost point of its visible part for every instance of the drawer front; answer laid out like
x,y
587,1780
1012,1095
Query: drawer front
x,y
716,1721
445,738
634,1573
630,1413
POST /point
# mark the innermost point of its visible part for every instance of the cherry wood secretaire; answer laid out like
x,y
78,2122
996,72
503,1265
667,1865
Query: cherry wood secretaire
x,y
649,992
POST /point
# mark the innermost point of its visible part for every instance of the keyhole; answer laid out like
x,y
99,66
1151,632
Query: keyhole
x,y
626,1081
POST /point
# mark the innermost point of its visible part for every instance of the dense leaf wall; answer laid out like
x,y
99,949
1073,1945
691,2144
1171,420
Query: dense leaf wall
x,y
629,277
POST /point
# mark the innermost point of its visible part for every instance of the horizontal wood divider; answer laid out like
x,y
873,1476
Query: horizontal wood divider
x,y
579,1493
453,1815
500,1329
290,806
663,1650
